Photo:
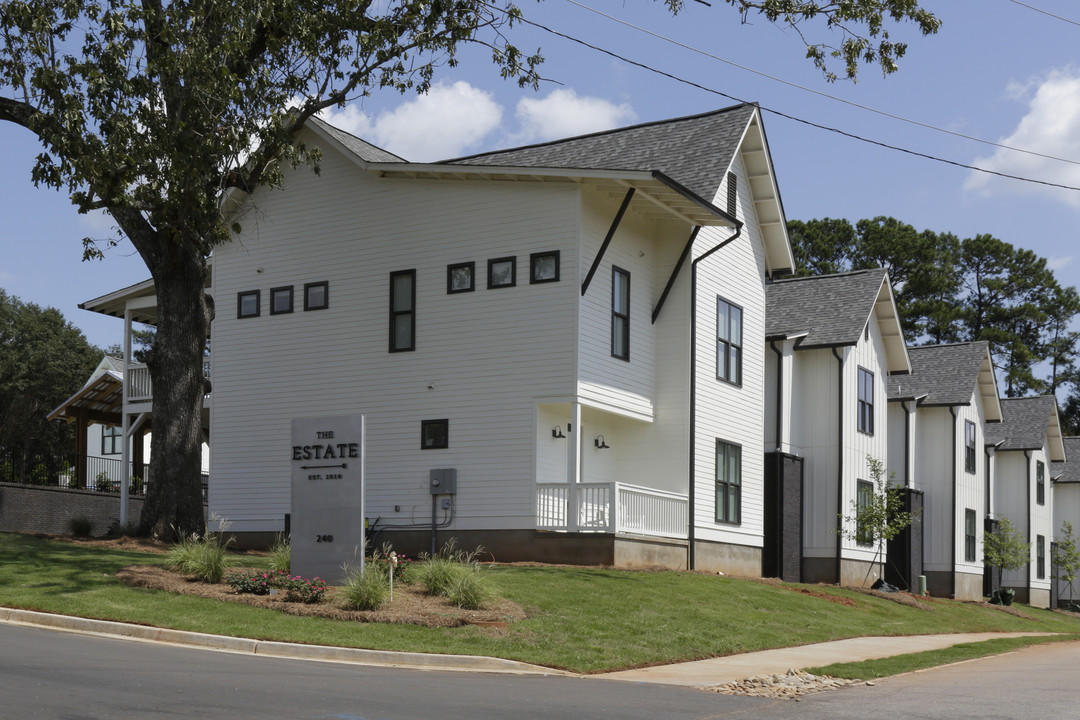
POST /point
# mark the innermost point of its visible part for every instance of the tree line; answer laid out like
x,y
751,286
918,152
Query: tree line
x,y
950,289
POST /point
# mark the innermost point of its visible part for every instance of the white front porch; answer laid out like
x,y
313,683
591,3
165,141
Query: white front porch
x,y
611,508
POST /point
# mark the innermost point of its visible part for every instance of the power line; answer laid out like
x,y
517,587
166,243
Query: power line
x,y
820,93
1044,12
779,113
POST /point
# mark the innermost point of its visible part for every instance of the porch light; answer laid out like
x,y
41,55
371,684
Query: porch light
x,y
556,432
600,443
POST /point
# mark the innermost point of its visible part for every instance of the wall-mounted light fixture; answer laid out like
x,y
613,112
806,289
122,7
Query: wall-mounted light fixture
x,y
556,432
600,443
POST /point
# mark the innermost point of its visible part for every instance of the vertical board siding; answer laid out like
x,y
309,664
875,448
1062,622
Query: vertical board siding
x,y
936,463
1011,497
816,437
971,487
1042,517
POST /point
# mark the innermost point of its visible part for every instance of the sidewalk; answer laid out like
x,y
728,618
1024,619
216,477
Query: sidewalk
x,y
701,673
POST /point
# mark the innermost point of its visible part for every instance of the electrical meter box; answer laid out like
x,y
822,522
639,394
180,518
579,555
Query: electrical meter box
x,y
443,481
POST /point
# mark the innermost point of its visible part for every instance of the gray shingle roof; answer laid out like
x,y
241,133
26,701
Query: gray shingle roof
x,y
694,151
945,374
361,148
1068,471
1023,423
831,309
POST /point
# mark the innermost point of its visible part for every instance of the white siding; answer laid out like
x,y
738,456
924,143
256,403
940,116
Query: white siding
x,y
1013,492
1067,509
1042,518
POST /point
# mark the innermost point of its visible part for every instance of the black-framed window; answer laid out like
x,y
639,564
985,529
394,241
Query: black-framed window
x,y
544,267
866,401
620,313
112,440
248,303
1040,557
969,535
864,498
317,295
1040,482
460,277
281,300
502,272
969,446
729,344
402,310
728,483
434,434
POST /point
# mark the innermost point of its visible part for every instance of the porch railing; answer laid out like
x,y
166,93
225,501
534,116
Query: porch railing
x,y
611,508
102,474
139,387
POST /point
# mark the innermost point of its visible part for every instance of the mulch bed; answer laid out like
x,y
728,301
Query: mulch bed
x,y
409,606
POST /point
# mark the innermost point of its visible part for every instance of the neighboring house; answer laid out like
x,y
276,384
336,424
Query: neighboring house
x,y
1065,477
1026,441
576,327
937,420
834,339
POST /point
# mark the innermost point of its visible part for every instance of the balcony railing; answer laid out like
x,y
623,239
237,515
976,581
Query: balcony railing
x,y
611,508
139,387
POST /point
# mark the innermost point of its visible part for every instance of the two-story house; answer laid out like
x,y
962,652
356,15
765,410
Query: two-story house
x,y
1065,478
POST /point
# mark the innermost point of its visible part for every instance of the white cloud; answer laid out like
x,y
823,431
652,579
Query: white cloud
x,y
563,113
1059,263
446,122
1051,127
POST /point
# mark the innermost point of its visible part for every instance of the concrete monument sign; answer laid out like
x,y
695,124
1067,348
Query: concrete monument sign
x,y
327,456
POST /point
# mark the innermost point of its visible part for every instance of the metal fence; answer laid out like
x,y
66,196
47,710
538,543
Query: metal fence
x,y
103,474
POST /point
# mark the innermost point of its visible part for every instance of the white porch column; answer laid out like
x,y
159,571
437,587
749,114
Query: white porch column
x,y
573,466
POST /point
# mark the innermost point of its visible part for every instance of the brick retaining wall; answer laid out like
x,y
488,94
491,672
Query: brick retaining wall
x,y
37,508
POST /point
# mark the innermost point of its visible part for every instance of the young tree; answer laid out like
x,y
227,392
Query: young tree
x,y
1004,549
878,517
1066,557
168,114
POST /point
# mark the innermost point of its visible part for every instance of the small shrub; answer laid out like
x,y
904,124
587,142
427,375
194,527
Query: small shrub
x,y
471,590
280,555
438,575
80,525
457,576
257,583
368,591
300,589
203,557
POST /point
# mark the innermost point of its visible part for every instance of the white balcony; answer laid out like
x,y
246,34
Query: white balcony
x,y
610,508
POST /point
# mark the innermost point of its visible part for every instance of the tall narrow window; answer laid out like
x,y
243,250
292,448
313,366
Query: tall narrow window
x,y
969,447
1040,557
620,313
1040,482
728,483
866,401
864,498
969,536
112,440
732,193
728,342
402,310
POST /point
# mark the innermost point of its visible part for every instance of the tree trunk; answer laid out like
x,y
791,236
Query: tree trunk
x,y
174,507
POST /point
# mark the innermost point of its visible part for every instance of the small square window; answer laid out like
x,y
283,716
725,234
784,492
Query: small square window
x,y
317,295
434,434
502,272
281,300
247,304
544,267
460,277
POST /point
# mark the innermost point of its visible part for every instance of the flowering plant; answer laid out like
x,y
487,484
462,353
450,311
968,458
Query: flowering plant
x,y
300,589
295,588
258,583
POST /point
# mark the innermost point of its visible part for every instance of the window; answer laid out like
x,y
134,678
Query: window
x,y
728,342
434,434
969,536
732,193
728,483
502,272
866,401
1040,482
969,446
247,304
1040,557
459,277
620,313
864,498
402,310
317,295
281,300
544,267
112,441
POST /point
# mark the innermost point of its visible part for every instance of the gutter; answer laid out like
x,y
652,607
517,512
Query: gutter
x,y
839,461
691,505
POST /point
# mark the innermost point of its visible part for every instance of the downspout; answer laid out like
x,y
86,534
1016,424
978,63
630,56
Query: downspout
x,y
691,506
952,543
839,460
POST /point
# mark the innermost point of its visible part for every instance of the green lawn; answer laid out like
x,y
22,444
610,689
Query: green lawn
x,y
581,619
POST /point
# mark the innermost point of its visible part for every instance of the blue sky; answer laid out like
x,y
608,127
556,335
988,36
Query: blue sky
x,y
998,70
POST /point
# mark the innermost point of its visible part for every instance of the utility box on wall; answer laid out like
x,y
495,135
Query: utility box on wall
x,y
443,481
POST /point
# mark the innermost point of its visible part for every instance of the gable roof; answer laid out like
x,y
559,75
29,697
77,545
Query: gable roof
x,y
1068,472
948,375
349,142
1027,424
832,311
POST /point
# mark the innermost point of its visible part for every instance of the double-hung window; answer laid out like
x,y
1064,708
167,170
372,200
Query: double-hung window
x,y
864,498
728,342
969,536
620,313
969,446
866,401
1040,482
1040,557
402,310
112,441
728,483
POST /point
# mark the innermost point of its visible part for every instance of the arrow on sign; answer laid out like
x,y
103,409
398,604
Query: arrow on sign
x,y
323,467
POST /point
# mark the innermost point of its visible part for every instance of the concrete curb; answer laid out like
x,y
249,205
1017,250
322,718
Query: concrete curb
x,y
295,651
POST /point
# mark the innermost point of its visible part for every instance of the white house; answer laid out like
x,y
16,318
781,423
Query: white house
x,y
1065,477
1027,440
575,327
937,420
834,339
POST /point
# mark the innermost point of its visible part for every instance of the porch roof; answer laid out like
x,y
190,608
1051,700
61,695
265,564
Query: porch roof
x,y
99,400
